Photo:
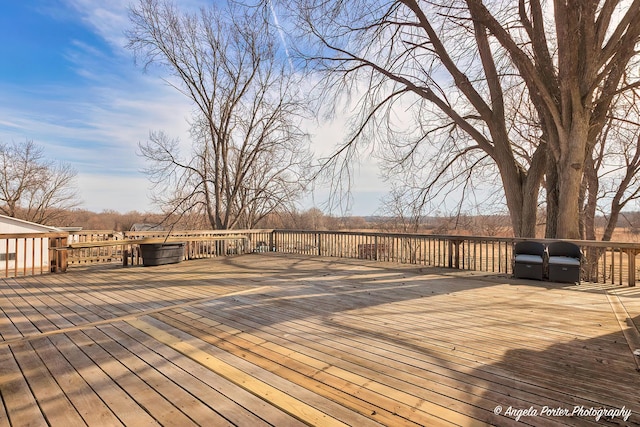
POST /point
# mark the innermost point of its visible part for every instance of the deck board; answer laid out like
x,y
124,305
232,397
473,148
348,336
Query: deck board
x,y
268,339
44,386
101,385
20,404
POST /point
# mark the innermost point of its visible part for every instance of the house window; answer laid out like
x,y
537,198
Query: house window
x,y
12,256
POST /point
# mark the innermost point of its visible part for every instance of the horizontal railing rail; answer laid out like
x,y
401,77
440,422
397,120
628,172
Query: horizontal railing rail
x,y
104,246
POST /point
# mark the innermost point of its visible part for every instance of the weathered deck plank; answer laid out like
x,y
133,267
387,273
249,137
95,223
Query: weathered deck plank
x,y
20,404
274,340
59,409
101,385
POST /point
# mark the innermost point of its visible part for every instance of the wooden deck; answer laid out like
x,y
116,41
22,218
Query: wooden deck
x,y
278,340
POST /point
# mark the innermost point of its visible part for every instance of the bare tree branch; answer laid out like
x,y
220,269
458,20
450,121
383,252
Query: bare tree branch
x,y
247,142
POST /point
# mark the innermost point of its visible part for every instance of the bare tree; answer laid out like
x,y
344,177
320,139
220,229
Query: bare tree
x,y
249,154
404,211
33,188
611,180
457,60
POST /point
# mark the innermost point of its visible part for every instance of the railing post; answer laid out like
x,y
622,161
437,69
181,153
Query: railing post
x,y
454,254
64,255
59,255
53,254
631,253
375,248
272,246
125,255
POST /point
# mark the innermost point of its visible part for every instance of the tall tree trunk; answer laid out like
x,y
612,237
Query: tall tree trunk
x,y
551,183
591,188
521,191
589,191
530,211
570,169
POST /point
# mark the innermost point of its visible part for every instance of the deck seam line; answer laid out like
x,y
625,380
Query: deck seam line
x,y
628,328
126,317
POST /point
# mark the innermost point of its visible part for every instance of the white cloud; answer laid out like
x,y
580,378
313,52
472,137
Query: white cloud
x,y
108,19
96,125
109,117
98,134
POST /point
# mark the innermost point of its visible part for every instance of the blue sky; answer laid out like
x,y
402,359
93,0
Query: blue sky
x,y
68,83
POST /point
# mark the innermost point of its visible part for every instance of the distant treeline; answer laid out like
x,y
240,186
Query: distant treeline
x,y
315,219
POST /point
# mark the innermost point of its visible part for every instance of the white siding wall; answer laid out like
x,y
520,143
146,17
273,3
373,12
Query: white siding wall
x,y
37,253
13,251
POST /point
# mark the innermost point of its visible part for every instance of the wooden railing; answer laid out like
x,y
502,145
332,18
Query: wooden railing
x,y
107,246
93,252
459,252
603,262
207,243
23,254
35,253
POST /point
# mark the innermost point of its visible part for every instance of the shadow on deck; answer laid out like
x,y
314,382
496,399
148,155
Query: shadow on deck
x,y
284,340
